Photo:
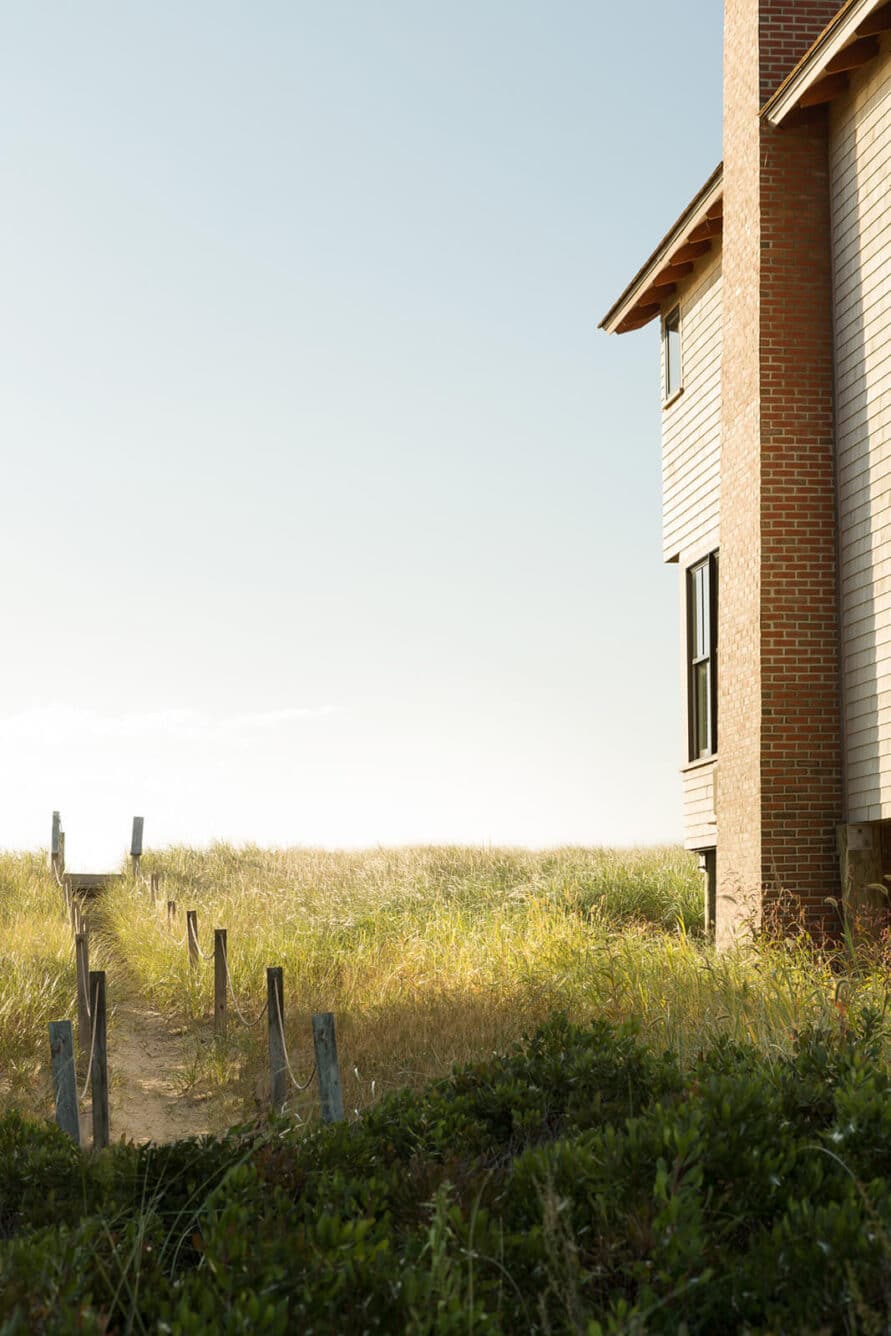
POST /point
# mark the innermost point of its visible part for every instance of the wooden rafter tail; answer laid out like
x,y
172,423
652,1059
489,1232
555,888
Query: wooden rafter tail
x,y
671,273
854,55
656,295
825,90
878,21
691,250
636,319
706,230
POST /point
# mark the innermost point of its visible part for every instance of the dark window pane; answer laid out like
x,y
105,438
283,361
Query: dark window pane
x,y
672,353
702,657
701,710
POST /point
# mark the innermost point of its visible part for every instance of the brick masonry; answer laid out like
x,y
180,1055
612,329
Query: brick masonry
x,y
778,793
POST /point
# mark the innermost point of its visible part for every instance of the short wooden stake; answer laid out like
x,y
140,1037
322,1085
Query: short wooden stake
x,y
100,1060
275,1005
325,1042
171,913
155,888
62,852
82,960
64,1078
219,982
192,935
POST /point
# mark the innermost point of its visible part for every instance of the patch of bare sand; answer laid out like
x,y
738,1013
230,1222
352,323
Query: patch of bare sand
x,y
151,1066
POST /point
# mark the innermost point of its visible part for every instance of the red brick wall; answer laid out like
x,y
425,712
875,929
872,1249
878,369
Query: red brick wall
x,y
787,28
778,793
801,705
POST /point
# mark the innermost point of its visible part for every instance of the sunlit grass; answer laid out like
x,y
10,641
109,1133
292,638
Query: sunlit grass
x,y
429,957
37,976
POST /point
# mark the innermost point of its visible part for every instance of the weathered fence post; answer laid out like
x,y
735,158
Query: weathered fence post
x,y
219,982
136,844
82,961
171,913
62,852
325,1043
155,887
100,1060
192,935
54,842
275,1005
64,1078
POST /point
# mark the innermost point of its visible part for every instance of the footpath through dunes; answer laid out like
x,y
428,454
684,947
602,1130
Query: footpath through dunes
x,y
152,1064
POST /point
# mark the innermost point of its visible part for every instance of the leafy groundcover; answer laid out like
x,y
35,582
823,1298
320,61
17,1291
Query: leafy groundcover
x,y
580,1184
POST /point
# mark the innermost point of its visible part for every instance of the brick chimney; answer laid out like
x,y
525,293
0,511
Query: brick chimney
x,y
779,779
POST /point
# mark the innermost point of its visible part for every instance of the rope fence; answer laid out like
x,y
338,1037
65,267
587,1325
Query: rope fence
x,y
281,1025
250,1024
91,1008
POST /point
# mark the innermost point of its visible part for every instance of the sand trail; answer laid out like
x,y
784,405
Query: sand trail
x,y
152,1075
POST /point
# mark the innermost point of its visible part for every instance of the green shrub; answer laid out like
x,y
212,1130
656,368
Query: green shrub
x,y
581,1184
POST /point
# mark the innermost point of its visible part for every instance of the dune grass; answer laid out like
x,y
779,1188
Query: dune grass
x,y
430,957
37,977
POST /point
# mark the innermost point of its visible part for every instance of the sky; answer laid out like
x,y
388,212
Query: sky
x,y
330,517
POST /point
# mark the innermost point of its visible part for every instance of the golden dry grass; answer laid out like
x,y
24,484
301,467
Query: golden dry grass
x,y
434,956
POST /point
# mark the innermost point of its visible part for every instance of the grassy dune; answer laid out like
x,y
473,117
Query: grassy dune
x,y
430,957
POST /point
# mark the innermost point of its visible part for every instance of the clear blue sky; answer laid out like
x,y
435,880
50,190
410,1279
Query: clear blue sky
x,y
329,516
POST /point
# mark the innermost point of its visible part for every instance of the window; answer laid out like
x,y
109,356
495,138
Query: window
x,y
671,341
702,656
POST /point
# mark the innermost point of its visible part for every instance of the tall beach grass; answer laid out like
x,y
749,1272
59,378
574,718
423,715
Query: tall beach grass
x,y
433,956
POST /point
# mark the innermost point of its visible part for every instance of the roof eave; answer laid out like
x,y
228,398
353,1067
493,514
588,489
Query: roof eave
x,y
696,213
812,65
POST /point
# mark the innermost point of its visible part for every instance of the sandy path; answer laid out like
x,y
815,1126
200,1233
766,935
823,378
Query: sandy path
x,y
151,1070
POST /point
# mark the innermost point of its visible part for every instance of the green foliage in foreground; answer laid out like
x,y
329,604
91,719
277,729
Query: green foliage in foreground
x,y
582,1184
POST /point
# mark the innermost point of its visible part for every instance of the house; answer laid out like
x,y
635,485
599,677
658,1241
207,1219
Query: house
x,y
773,293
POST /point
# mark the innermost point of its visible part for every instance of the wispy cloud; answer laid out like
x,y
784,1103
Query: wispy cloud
x,y
59,724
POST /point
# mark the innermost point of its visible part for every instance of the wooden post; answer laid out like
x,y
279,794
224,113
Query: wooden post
x,y
100,1060
155,887
192,935
62,853
72,913
64,1078
219,982
275,1005
325,1042
54,842
136,843
82,960
171,913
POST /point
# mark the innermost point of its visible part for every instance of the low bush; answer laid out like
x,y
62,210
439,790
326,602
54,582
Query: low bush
x,y
583,1183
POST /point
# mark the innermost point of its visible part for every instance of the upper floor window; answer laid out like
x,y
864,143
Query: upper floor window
x,y
671,343
702,656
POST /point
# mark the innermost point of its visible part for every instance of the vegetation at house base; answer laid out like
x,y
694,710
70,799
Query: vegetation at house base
x,y
583,1183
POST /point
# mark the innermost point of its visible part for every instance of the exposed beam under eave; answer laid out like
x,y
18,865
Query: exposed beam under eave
x,y
854,55
824,90
878,22
849,25
700,222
